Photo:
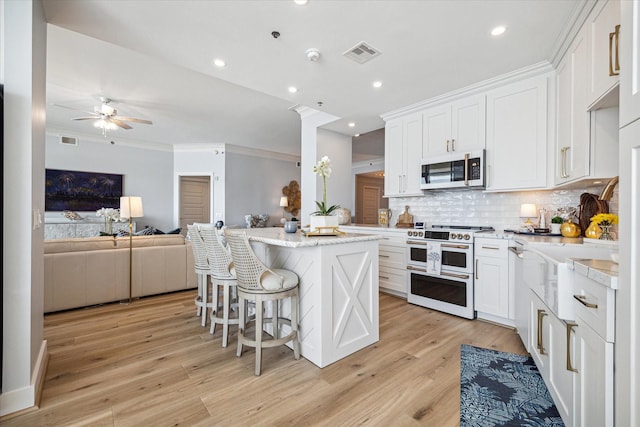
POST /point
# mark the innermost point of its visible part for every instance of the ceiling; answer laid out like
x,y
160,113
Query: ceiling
x,y
154,59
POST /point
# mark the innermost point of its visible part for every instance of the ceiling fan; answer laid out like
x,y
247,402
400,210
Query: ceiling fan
x,y
106,117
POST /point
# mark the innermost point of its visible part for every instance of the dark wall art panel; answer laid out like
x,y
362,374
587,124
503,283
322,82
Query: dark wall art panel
x,y
81,191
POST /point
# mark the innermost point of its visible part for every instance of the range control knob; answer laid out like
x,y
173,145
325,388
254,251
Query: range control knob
x,y
467,237
410,233
420,233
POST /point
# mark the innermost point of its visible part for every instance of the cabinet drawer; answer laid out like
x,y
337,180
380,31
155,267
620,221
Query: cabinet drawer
x,y
393,240
392,257
393,278
595,306
496,248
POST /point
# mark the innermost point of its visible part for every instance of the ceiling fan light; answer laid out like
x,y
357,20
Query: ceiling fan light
x,y
107,109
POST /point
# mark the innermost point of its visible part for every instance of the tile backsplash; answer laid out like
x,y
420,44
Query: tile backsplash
x,y
476,207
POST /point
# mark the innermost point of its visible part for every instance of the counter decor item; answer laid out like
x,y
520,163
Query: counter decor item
x,y
556,223
384,216
344,216
291,226
322,220
605,221
593,231
590,205
405,220
110,215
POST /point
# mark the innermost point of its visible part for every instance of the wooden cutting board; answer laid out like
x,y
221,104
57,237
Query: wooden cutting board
x,y
405,220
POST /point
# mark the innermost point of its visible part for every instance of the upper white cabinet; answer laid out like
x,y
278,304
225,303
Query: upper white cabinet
x,y
517,135
572,130
457,126
630,52
403,153
603,27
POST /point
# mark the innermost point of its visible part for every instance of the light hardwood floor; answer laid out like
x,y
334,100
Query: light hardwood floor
x,y
152,364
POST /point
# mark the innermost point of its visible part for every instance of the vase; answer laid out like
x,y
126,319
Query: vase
x,y
570,229
555,228
291,226
108,227
323,223
606,232
593,231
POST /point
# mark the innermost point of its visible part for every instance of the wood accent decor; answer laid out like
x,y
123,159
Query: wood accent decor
x,y
294,197
152,363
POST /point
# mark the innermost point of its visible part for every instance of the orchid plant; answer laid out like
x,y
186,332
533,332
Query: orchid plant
x,y
323,168
110,215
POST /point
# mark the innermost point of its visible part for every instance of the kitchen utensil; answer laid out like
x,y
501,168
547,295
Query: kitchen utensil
x,y
405,220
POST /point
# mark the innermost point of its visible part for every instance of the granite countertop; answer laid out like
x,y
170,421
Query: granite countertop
x,y
278,237
602,271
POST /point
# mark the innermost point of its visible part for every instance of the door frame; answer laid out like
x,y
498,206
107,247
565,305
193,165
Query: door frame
x,y
179,176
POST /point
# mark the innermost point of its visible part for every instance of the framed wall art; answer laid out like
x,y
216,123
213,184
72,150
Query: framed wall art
x,y
81,191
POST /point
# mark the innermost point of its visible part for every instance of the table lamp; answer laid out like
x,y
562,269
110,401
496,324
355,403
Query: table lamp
x,y
284,202
131,207
528,210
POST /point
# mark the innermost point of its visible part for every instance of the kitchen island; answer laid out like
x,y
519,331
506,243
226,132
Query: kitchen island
x,y
338,288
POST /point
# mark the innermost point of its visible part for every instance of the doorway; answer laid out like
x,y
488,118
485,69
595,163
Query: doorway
x,y
195,200
369,192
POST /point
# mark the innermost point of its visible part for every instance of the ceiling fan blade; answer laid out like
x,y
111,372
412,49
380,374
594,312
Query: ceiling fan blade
x,y
84,118
120,123
133,119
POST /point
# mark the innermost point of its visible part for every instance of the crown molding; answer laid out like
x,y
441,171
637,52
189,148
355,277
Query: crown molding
x,y
256,152
474,89
570,29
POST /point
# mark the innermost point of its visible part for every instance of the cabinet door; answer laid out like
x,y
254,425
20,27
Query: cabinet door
x,y
593,400
468,124
412,137
572,137
436,135
560,381
539,345
630,57
393,148
517,136
603,52
492,286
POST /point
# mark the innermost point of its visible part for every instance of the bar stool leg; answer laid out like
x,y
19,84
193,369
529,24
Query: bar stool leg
x,y
294,326
259,319
226,306
214,305
274,319
205,299
242,323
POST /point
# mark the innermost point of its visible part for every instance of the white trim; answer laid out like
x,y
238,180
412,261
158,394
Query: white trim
x,y
483,86
255,152
25,397
212,177
116,138
570,30
368,165
206,146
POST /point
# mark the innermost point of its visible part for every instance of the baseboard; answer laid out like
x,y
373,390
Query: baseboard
x,y
26,398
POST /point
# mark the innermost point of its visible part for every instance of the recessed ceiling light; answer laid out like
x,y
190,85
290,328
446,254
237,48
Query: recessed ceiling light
x,y
499,30
301,2
352,125
377,84
219,63
356,135
293,89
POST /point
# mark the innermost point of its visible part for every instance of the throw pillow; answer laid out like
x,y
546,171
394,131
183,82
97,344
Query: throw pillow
x,y
147,231
174,231
123,233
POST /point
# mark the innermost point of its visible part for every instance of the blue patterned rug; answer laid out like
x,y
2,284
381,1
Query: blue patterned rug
x,y
503,389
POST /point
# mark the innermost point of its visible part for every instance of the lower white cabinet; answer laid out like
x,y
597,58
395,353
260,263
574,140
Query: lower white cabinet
x,y
392,257
493,289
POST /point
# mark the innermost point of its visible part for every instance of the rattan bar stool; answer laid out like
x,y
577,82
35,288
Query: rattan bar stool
x,y
202,271
259,284
223,276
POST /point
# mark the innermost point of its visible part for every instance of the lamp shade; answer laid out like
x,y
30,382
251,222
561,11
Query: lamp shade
x,y
528,210
284,202
131,207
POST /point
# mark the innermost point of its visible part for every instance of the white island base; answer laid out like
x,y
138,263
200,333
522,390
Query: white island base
x,y
338,288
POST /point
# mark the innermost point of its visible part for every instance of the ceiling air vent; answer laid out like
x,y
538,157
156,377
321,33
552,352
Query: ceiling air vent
x,y
68,140
362,52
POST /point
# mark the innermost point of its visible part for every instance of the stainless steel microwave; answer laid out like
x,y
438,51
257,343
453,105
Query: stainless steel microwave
x,y
454,170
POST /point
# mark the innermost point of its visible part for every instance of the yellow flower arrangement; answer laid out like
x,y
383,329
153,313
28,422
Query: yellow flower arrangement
x,y
605,219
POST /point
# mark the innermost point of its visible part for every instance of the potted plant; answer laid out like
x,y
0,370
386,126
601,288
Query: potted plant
x,y
322,220
556,223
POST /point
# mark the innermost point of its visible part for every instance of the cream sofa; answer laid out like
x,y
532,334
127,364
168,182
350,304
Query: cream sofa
x,y
85,271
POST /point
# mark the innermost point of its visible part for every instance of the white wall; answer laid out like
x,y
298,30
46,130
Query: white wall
x,y
23,55
206,161
340,183
148,172
254,185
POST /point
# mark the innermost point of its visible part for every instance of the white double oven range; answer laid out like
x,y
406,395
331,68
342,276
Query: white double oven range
x,y
441,268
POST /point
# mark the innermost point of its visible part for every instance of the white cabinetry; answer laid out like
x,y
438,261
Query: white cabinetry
x,y
594,335
572,137
549,345
403,153
630,53
517,135
493,289
392,258
457,126
604,62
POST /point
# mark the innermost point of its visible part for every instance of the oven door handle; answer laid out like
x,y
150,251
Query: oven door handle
x,y
410,267
459,276
416,242
445,245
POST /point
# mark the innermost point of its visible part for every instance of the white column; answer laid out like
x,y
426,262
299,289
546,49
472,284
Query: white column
x,y
23,56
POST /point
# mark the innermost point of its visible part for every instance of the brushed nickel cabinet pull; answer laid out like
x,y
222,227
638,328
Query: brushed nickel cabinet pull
x,y
541,314
476,269
583,300
570,327
447,145
453,144
490,247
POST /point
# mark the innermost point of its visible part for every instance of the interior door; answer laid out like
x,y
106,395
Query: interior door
x,y
370,204
195,198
